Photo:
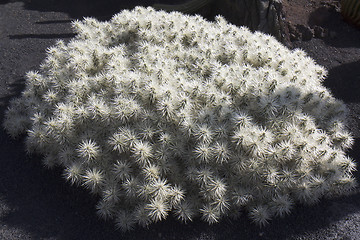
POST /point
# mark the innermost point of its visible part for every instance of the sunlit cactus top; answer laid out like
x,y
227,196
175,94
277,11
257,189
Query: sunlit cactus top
x,y
164,113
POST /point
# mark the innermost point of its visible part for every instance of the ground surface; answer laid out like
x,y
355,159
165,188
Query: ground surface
x,y
36,203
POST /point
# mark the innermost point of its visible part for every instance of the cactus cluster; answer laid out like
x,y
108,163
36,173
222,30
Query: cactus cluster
x,y
350,10
165,113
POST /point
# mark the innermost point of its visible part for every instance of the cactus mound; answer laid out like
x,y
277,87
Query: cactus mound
x,y
163,113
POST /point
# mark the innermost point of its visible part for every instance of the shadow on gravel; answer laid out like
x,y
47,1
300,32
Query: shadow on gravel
x,y
14,90
54,22
43,36
341,34
344,82
102,10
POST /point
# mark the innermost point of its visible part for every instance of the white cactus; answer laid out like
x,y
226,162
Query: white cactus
x,y
165,113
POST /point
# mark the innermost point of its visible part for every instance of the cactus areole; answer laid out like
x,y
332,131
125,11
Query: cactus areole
x,y
164,113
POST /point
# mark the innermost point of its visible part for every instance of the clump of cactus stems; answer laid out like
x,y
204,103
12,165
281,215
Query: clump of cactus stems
x,y
350,10
164,113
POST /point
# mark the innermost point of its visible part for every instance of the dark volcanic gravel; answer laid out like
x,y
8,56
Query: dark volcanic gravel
x,y
36,203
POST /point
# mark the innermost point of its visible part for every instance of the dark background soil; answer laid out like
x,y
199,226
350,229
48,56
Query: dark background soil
x,y
36,203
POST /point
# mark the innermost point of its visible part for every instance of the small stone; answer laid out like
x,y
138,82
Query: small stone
x,y
306,32
320,32
293,33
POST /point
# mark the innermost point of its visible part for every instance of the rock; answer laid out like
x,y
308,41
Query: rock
x,y
320,32
294,34
306,32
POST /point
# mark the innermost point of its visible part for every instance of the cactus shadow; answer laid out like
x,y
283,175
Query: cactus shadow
x,y
43,36
344,82
14,90
4,1
322,17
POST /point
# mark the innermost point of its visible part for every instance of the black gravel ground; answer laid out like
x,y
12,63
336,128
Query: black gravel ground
x,y
36,203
